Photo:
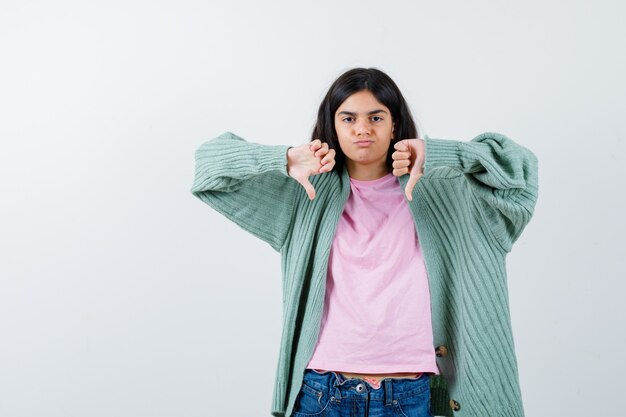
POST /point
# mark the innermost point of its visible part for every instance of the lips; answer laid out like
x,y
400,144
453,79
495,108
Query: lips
x,y
363,142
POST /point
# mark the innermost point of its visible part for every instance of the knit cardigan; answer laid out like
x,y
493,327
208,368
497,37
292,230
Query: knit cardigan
x,y
469,207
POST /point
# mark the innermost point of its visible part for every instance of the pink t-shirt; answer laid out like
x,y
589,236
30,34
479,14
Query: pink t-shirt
x,y
376,316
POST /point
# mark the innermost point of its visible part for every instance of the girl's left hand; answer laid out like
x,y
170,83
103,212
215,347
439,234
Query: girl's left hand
x,y
409,158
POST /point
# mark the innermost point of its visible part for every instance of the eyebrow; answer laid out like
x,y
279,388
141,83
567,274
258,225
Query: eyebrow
x,y
349,113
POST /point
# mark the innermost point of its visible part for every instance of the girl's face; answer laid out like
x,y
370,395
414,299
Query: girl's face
x,y
364,129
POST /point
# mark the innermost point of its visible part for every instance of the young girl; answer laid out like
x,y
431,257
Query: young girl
x,y
393,249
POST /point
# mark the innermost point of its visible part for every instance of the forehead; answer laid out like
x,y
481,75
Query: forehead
x,y
361,102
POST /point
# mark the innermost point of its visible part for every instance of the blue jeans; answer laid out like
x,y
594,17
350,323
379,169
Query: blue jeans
x,y
329,394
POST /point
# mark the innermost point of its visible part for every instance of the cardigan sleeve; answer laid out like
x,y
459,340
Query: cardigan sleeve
x,y
502,175
248,183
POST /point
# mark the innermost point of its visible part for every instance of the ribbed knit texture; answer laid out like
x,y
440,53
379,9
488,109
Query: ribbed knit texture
x,y
470,206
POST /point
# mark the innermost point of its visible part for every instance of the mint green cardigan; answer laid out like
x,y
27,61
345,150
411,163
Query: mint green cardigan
x,y
469,207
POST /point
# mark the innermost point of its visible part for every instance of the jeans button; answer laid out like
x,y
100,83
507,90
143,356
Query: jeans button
x,y
455,405
360,387
441,350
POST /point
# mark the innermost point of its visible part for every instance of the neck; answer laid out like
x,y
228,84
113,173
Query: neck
x,y
361,172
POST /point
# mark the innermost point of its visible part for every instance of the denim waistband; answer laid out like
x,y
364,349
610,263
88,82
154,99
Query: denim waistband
x,y
335,384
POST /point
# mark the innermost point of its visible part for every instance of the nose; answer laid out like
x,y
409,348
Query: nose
x,y
362,127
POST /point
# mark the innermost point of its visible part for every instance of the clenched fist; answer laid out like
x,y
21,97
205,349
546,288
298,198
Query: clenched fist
x,y
409,158
309,159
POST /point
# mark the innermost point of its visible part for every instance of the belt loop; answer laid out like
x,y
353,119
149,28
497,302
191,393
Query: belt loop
x,y
338,381
388,392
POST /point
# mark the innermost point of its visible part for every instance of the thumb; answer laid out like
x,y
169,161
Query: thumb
x,y
413,178
309,188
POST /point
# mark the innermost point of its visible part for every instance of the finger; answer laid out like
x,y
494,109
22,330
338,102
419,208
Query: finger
x,y
309,188
408,190
322,151
329,156
400,155
328,167
401,145
315,144
328,159
401,163
413,178
400,171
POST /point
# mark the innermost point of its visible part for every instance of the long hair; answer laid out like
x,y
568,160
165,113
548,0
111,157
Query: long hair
x,y
383,88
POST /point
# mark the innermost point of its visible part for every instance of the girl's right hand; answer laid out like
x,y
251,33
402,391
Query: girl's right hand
x,y
309,159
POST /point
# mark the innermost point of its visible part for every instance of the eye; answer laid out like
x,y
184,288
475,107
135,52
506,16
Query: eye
x,y
345,118
378,117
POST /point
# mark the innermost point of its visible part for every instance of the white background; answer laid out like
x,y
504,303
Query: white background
x,y
121,294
